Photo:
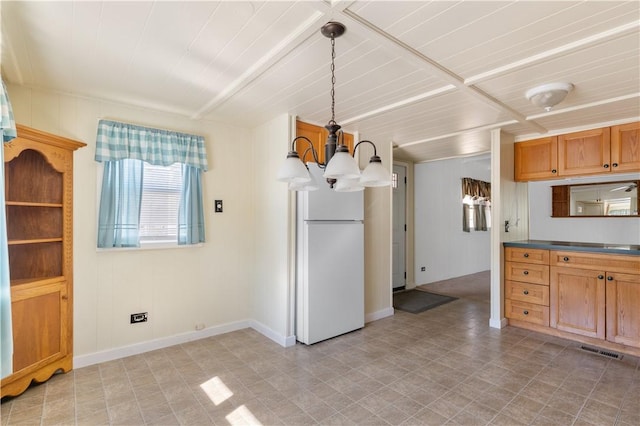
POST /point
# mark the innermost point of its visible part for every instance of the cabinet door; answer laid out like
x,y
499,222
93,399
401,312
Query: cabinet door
x,y
623,309
536,159
318,136
585,152
577,301
40,316
625,148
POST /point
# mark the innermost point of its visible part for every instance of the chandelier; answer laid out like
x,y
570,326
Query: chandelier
x,y
340,167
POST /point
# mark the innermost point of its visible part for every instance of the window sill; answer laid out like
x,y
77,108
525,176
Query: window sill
x,y
151,246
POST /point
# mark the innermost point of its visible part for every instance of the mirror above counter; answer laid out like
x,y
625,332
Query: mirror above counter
x,y
610,199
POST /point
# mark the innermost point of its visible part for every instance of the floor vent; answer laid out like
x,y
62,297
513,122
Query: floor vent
x,y
597,351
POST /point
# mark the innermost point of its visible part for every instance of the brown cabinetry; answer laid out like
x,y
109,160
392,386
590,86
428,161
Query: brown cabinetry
x,y
38,190
591,297
536,159
318,136
598,151
584,153
527,285
625,147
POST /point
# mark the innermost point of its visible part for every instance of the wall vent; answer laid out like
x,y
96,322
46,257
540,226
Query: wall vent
x,y
597,351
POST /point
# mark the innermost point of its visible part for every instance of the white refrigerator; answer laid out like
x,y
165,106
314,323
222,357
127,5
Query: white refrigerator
x,y
329,262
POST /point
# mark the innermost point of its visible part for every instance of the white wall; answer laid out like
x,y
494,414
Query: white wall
x,y
606,230
440,244
272,289
182,288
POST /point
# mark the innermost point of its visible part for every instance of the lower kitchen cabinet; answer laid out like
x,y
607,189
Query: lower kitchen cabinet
x,y
590,297
623,309
577,300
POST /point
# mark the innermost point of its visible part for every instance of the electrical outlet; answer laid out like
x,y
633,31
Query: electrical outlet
x,y
424,268
139,317
217,206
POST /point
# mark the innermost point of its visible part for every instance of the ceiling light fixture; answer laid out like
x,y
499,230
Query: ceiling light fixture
x,y
340,168
548,95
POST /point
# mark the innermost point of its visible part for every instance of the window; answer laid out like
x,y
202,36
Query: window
x,y
161,189
476,205
151,186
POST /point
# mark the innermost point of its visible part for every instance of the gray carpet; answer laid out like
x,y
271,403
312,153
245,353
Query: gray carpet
x,y
416,301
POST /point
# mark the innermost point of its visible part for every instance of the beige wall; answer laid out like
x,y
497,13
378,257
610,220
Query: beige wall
x,y
241,277
180,288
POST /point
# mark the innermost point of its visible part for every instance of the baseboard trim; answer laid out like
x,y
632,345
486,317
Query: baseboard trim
x,y
374,316
80,361
498,323
284,341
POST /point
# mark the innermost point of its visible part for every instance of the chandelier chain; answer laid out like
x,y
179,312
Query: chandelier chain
x,y
333,81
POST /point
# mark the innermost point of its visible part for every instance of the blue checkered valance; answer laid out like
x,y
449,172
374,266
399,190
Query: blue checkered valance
x,y
7,123
117,141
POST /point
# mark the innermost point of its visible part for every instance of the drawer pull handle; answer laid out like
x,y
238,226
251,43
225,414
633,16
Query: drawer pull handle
x,y
615,164
600,277
526,272
526,312
609,278
606,166
554,171
566,259
526,255
526,292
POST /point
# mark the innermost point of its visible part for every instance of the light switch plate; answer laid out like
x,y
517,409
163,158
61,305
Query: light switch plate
x,y
217,206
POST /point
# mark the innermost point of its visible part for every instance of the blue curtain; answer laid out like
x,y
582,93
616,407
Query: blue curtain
x,y
120,202
191,211
8,132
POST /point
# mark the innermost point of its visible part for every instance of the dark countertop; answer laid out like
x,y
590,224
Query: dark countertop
x,y
631,249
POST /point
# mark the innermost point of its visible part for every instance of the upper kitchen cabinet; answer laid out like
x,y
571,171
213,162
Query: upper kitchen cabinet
x,y
536,159
318,136
584,153
591,152
625,148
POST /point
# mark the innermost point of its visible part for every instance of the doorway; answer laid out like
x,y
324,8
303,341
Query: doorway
x,y
399,271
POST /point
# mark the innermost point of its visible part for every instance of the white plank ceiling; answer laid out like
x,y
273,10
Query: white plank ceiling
x,y
431,77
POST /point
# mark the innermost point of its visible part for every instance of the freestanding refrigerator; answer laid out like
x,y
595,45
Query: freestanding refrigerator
x,y
329,262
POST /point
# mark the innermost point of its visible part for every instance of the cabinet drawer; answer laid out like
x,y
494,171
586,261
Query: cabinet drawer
x,y
526,272
526,292
526,255
529,312
606,262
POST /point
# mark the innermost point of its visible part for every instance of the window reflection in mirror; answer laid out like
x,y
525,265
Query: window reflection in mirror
x,y
599,199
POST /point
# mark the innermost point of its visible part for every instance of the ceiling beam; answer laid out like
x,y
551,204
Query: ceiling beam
x,y
439,70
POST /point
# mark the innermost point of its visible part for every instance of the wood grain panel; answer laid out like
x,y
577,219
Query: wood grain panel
x,y
22,173
577,301
526,292
526,272
37,329
31,222
586,260
528,312
41,260
623,309
536,159
625,148
586,152
527,255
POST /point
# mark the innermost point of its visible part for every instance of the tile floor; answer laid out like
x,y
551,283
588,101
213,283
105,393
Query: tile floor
x,y
442,366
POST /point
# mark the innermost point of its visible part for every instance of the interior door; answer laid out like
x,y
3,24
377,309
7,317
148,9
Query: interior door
x,y
399,226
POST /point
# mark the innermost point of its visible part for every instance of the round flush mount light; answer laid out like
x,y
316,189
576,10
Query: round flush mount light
x,y
548,95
